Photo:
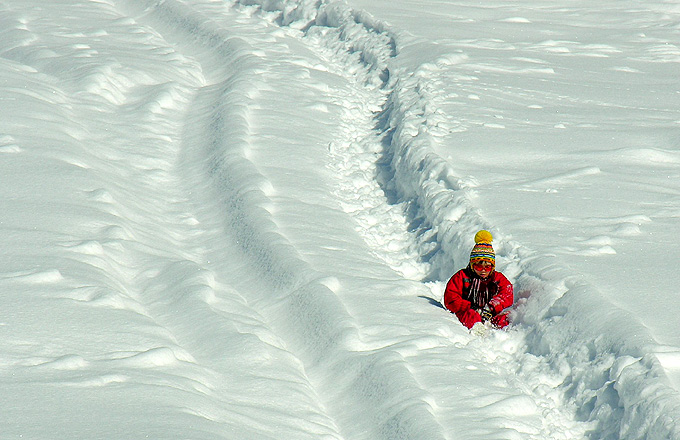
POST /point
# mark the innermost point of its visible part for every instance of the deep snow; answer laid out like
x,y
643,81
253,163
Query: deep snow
x,y
235,219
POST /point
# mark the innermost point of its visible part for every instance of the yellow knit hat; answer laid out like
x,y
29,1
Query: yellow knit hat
x,y
483,249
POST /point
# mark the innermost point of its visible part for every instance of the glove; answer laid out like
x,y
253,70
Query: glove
x,y
479,329
486,313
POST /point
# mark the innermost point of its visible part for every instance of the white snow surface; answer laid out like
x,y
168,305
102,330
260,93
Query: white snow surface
x,y
235,219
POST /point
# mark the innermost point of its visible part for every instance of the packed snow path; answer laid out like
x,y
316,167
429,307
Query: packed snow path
x,y
228,258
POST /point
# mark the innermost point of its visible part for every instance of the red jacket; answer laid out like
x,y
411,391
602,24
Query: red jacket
x,y
466,293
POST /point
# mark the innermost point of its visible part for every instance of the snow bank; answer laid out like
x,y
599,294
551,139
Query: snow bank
x,y
603,360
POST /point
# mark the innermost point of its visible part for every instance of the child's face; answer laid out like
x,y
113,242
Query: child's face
x,y
482,268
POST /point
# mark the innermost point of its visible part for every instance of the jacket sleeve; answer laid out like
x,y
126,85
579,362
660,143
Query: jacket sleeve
x,y
504,298
453,295
454,302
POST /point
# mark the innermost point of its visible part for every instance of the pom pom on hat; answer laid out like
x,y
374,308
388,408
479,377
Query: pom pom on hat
x,y
483,249
483,236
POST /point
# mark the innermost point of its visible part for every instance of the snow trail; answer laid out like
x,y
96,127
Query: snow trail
x,y
299,304
396,235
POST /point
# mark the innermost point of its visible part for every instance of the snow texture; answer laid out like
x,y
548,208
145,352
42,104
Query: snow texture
x,y
235,219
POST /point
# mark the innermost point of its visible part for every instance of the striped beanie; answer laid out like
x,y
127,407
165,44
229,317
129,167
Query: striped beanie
x,y
483,249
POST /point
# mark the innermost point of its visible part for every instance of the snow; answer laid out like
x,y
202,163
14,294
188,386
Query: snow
x,y
235,219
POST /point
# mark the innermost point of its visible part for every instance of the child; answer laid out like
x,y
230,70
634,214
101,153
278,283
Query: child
x,y
478,293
